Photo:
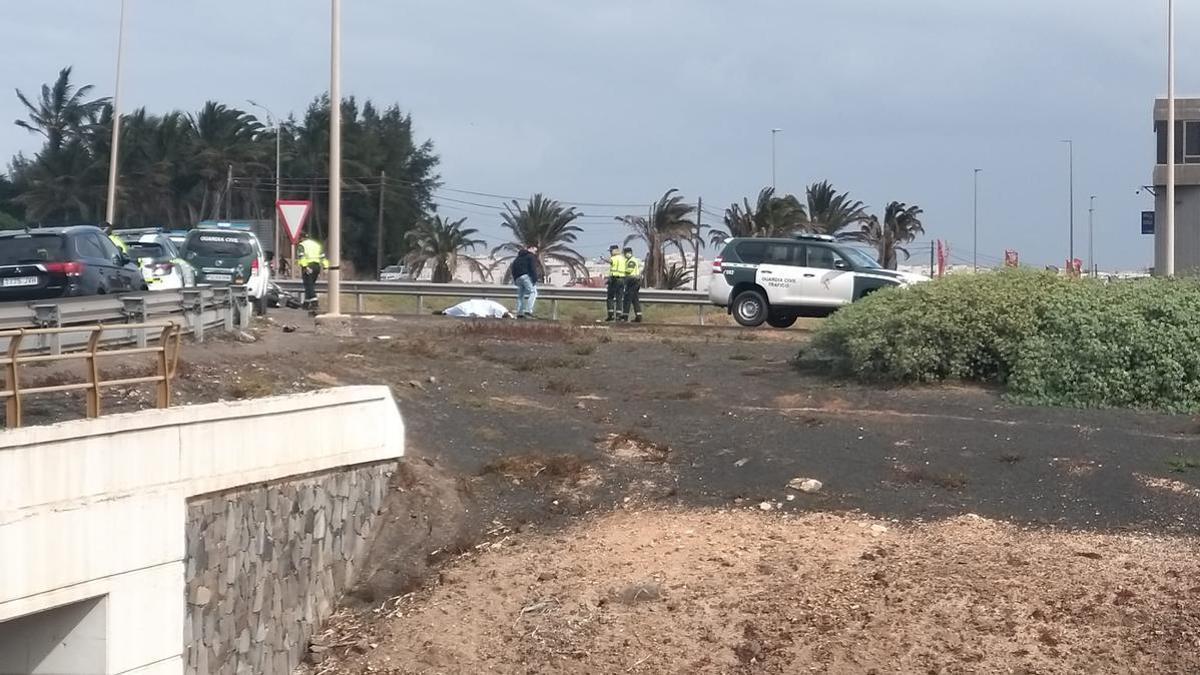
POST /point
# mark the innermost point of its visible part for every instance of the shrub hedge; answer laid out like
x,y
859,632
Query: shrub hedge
x,y
1047,339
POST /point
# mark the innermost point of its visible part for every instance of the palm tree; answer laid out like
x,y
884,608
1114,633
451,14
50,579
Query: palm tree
x,y
223,137
61,111
667,224
901,225
677,276
546,224
442,243
830,212
771,216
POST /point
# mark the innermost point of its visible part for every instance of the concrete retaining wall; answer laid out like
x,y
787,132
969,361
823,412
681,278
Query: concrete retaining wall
x,y
98,508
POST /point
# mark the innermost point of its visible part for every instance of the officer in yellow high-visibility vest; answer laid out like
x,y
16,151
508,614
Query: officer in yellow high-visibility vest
x,y
310,256
112,236
616,282
633,287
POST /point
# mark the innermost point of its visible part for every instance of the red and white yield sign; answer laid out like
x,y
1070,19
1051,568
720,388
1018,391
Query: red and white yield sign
x,y
293,214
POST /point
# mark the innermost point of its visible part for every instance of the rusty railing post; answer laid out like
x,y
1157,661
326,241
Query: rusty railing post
x,y
13,407
93,394
164,366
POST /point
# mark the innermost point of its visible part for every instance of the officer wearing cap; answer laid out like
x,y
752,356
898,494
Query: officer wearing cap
x,y
616,282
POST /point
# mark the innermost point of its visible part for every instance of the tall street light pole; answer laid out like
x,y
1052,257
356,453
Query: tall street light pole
x,y
273,120
1169,229
110,207
1091,250
1071,197
335,160
774,133
975,228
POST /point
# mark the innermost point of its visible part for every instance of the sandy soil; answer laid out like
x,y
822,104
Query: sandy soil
x,y
744,591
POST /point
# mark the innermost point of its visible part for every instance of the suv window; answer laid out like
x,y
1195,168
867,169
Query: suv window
x,y
770,252
825,258
89,247
31,248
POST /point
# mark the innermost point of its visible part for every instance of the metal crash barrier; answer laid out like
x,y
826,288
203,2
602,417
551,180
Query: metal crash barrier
x,y
165,353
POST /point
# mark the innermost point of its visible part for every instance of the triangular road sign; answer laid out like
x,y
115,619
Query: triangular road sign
x,y
293,214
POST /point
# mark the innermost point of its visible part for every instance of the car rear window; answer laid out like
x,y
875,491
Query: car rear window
x,y
31,248
146,250
218,244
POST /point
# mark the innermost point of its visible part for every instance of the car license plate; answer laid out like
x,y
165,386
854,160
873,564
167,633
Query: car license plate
x,y
9,282
219,277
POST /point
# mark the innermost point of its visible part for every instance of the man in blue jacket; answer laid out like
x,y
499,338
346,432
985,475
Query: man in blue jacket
x,y
525,275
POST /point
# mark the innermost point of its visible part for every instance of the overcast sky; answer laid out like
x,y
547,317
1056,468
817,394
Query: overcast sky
x,y
615,101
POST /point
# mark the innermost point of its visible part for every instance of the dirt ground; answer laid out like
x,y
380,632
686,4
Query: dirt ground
x,y
703,591
615,499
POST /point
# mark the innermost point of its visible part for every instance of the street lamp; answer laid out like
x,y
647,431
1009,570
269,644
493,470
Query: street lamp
x,y
1169,230
1071,178
975,261
335,159
774,132
110,208
1091,250
273,120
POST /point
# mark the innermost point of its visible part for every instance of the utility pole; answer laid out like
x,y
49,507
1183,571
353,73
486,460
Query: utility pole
x,y
229,193
1071,197
696,254
1091,250
335,158
110,208
774,132
975,261
1169,230
379,233
931,245
273,120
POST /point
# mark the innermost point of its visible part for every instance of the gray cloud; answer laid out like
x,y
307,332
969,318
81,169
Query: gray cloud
x,y
617,101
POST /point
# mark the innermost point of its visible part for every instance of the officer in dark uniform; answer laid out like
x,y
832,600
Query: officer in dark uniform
x,y
633,287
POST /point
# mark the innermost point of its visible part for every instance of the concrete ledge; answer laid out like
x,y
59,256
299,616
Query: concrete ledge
x,y
96,508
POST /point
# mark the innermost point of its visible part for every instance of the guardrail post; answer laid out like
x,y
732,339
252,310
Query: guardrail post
x,y
135,312
420,304
700,314
554,310
49,316
223,295
12,407
240,296
358,303
93,394
193,311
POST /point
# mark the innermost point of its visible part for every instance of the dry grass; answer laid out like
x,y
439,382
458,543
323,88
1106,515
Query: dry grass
x,y
561,386
510,331
945,480
562,467
253,384
585,349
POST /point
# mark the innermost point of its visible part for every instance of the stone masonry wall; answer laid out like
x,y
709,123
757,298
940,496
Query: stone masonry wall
x,y
267,564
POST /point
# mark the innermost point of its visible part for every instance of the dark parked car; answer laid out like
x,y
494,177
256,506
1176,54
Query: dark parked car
x,y
56,262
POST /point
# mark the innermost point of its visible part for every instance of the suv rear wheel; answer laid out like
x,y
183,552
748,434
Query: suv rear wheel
x,y
781,320
750,308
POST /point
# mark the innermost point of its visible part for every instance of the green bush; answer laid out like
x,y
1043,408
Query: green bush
x,y
1047,339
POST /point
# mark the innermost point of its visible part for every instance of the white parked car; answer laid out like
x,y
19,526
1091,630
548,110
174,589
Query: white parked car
x,y
162,265
778,280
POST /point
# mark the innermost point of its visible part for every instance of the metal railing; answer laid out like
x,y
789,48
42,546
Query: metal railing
x,y
552,294
195,309
166,357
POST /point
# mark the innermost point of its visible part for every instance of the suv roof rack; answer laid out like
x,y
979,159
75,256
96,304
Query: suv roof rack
x,y
814,237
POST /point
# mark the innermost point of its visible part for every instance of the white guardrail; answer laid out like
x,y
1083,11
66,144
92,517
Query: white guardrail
x,y
551,294
195,309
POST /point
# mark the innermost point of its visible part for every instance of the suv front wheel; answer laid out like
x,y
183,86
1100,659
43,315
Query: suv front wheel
x,y
750,308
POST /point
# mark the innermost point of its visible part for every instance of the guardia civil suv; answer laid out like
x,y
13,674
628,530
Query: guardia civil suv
x,y
779,280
